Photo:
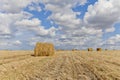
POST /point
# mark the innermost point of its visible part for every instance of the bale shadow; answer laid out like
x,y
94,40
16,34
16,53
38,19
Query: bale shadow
x,y
33,55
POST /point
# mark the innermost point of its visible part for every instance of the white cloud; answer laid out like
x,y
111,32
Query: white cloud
x,y
63,15
8,43
35,26
112,29
113,42
103,15
64,2
17,42
13,6
114,39
7,21
35,6
3,44
28,23
20,26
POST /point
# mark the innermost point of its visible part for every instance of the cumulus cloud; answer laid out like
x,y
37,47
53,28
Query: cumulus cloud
x,y
63,15
18,26
112,42
103,15
100,17
35,6
13,6
112,29
7,21
35,25
114,39
10,44
18,42
28,23
64,2
73,29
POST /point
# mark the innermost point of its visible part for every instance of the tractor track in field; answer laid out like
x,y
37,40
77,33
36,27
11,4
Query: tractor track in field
x,y
61,66
14,58
66,67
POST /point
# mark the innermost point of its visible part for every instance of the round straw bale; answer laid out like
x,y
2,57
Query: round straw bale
x,y
106,49
44,49
90,49
99,49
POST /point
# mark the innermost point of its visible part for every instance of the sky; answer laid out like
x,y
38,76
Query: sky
x,y
68,24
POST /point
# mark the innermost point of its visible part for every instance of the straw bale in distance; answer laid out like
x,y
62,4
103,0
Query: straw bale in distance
x,y
74,49
106,49
90,49
99,49
44,49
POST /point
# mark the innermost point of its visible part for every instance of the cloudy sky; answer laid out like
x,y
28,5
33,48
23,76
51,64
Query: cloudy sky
x,y
67,24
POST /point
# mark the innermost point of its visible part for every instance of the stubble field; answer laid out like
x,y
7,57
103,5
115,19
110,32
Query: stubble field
x,y
64,65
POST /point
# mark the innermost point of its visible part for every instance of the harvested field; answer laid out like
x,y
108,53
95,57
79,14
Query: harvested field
x,y
64,65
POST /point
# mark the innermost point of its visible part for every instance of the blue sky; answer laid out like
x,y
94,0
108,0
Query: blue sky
x,y
67,24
